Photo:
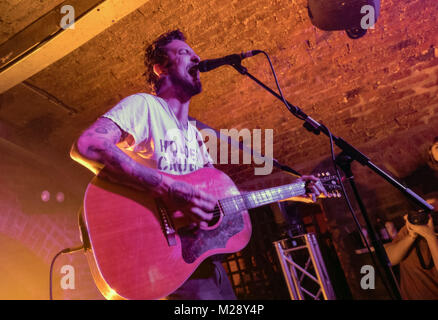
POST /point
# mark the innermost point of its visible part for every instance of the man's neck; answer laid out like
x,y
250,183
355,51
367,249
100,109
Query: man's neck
x,y
179,106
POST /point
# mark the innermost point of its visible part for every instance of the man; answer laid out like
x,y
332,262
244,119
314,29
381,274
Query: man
x,y
416,250
144,135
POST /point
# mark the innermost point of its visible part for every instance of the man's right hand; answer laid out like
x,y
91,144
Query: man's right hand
x,y
196,204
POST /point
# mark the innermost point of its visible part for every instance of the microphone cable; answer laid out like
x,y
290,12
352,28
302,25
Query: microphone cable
x,y
297,114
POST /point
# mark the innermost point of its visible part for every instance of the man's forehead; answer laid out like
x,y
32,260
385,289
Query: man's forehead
x,y
175,45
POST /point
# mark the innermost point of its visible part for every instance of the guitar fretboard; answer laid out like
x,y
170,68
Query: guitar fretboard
x,y
259,198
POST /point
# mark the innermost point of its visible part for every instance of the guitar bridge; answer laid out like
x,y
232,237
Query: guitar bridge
x,y
166,223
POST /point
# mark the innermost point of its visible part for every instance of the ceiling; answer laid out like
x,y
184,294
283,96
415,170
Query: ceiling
x,y
378,92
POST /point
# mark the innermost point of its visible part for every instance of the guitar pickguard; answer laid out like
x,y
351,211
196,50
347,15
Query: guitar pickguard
x,y
195,243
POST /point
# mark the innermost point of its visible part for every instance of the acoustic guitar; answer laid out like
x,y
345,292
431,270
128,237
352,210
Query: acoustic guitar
x,y
140,247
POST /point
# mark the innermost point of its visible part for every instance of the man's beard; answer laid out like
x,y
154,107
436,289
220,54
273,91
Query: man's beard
x,y
191,88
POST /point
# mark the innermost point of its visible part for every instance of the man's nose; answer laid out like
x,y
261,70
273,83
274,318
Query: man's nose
x,y
195,58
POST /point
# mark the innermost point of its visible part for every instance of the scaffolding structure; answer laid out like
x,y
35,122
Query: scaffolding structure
x,y
310,279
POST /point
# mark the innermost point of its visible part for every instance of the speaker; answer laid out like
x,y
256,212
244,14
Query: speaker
x,y
353,16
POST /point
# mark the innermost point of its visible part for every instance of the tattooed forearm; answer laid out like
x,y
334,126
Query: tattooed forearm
x,y
98,143
120,168
154,178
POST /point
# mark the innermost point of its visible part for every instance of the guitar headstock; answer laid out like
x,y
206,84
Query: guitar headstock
x,y
331,184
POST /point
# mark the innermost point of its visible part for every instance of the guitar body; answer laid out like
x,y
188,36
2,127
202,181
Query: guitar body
x,y
141,248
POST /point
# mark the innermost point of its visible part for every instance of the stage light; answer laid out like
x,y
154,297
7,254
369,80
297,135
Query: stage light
x,y
60,197
353,16
45,196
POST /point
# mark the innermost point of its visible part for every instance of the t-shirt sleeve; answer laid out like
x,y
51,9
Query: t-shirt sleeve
x,y
132,115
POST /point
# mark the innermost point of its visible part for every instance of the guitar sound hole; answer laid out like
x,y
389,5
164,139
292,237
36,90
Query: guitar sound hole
x,y
216,216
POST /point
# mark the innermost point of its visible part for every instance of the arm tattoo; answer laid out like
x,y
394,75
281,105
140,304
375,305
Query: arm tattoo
x,y
109,129
125,170
118,166
101,130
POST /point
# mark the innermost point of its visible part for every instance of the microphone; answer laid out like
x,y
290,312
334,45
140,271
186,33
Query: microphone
x,y
208,65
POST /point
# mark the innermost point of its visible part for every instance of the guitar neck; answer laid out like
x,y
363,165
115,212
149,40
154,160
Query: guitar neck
x,y
263,197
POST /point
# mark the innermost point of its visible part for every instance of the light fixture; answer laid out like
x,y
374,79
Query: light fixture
x,y
353,16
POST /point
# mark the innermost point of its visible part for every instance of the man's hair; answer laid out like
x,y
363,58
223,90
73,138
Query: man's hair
x,y
156,54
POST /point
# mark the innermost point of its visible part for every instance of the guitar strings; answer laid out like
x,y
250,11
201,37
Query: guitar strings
x,y
229,203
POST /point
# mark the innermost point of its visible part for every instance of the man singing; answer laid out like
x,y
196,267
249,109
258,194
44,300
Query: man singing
x,y
144,135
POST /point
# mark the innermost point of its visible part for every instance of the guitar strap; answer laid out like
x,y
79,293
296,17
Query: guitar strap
x,y
421,259
200,125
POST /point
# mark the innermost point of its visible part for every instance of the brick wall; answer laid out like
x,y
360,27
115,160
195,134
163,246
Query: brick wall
x,y
378,92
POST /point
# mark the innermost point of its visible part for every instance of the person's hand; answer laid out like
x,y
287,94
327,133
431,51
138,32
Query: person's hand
x,y
314,187
197,205
426,231
409,225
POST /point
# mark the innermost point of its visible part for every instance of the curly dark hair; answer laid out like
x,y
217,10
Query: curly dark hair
x,y
156,53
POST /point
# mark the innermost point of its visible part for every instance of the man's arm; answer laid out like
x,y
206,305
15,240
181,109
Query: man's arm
x,y
96,148
97,145
397,251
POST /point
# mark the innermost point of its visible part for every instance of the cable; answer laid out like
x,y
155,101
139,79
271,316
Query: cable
x,y
279,89
64,251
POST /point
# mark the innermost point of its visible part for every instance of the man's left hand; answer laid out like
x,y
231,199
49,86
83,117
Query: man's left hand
x,y
314,187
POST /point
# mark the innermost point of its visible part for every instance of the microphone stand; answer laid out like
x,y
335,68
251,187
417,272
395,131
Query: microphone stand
x,y
348,155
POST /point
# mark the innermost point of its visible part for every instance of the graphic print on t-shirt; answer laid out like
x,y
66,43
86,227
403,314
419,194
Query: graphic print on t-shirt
x,y
178,156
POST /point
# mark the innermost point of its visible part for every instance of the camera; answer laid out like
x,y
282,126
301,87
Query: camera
x,y
419,217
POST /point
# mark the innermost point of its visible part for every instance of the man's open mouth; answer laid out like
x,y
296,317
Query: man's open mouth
x,y
194,72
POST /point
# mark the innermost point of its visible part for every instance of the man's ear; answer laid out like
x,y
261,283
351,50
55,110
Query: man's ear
x,y
159,69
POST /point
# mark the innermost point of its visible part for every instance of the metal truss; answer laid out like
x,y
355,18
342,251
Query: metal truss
x,y
308,281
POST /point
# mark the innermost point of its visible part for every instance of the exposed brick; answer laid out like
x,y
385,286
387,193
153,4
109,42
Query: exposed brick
x,y
378,92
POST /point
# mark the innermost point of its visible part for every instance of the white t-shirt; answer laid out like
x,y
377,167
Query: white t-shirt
x,y
154,135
